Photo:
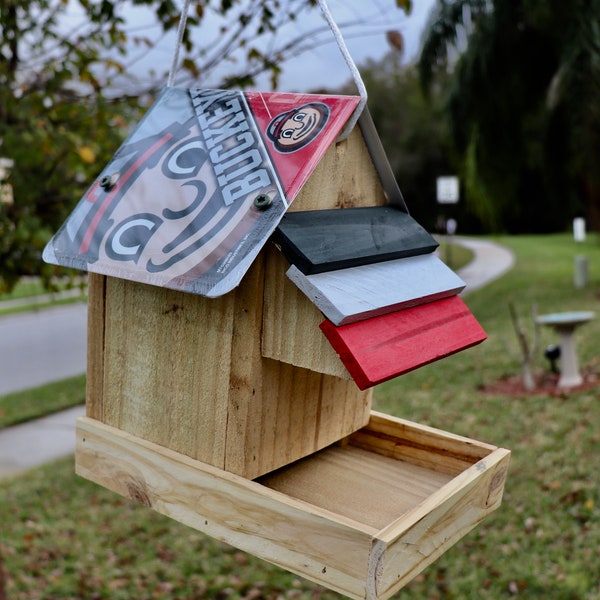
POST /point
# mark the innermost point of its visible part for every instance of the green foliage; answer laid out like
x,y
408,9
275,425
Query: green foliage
x,y
523,105
58,148
55,122
69,538
18,407
542,276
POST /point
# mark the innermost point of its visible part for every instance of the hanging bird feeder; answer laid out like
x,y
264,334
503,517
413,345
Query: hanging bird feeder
x,y
253,273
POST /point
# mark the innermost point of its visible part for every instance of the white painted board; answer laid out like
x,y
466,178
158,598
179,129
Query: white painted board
x,y
358,293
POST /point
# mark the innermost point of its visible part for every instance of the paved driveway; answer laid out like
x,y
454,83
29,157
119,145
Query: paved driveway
x,y
41,346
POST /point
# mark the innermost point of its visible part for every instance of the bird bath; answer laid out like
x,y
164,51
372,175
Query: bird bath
x,y
565,324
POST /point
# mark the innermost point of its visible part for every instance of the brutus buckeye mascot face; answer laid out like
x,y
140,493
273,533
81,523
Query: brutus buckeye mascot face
x,y
292,130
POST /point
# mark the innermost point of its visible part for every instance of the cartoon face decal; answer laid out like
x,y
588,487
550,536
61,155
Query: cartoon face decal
x,y
296,128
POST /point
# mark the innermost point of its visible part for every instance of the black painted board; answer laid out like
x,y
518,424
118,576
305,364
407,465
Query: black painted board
x,y
318,241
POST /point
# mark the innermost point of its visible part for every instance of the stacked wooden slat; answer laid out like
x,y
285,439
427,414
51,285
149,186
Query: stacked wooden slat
x,y
391,305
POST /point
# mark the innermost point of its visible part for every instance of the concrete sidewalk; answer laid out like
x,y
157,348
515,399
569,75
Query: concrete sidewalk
x,y
31,444
490,261
36,442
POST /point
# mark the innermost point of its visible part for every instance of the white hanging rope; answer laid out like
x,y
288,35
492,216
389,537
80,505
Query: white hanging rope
x,y
178,44
362,90
337,34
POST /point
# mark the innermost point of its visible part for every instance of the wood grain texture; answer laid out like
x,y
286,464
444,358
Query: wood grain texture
x,y
439,522
421,445
189,372
168,366
384,347
188,407
345,178
326,240
95,346
369,488
242,513
310,517
358,293
291,331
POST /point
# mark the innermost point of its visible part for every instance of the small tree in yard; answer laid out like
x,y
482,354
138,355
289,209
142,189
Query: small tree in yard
x,y
528,349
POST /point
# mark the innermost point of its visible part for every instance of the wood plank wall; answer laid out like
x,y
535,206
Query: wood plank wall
x,y
197,375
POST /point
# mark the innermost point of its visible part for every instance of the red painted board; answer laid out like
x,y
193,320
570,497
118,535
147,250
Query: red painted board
x,y
381,348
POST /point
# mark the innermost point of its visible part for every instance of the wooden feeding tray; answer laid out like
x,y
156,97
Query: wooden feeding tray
x,y
362,517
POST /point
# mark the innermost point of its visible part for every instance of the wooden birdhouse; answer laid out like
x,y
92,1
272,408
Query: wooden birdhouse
x,y
250,281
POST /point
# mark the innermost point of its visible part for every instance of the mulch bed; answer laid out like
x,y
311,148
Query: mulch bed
x,y
545,386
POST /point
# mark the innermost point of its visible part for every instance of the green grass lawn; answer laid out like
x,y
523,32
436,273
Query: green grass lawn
x,y
63,537
18,407
30,287
30,294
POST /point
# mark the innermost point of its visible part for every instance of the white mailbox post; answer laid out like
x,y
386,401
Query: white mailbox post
x,y
447,189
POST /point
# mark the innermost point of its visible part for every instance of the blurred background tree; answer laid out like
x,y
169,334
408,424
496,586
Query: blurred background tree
x,y
414,132
522,81
68,94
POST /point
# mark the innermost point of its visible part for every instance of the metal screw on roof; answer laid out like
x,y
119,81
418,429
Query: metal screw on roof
x,y
108,181
263,201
